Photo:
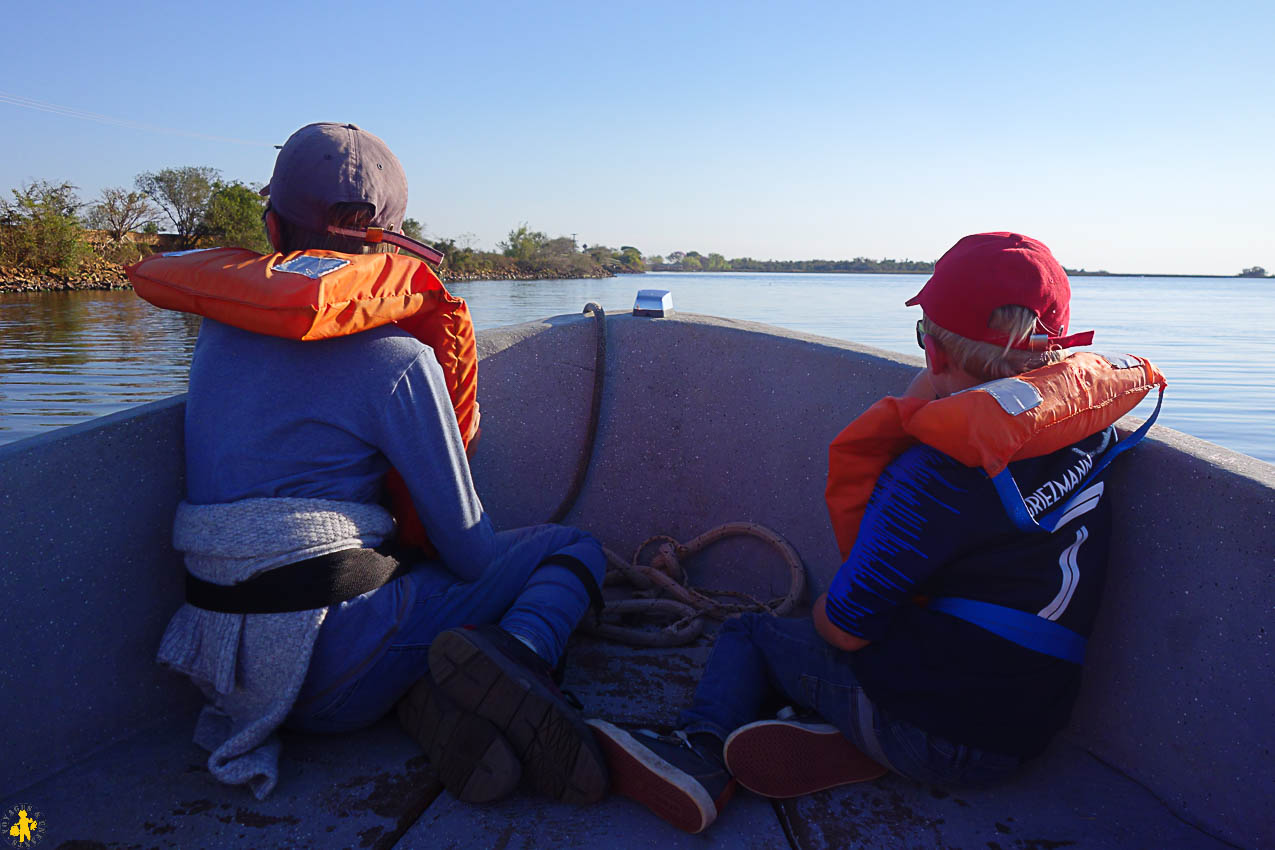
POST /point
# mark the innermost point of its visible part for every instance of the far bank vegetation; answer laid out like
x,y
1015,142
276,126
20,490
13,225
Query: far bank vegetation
x,y
51,238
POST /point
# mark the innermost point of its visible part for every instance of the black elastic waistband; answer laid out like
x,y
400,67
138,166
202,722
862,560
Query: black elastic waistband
x,y
303,586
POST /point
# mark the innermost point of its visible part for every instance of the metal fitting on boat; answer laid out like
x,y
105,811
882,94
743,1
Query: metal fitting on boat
x,y
654,303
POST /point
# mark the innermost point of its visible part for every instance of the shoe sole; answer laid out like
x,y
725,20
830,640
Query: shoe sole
x,y
550,738
644,777
469,755
780,759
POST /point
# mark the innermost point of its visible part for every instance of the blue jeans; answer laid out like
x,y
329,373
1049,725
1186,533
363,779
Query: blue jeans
x,y
372,650
759,658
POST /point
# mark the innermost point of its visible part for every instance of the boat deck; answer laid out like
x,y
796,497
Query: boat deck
x,y
374,789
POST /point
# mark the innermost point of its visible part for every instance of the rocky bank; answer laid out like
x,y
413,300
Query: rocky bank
x,y
103,274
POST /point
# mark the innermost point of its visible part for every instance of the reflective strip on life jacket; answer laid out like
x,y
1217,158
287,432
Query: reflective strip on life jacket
x,y
1016,505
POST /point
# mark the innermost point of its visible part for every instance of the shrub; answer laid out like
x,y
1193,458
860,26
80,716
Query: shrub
x,y
41,228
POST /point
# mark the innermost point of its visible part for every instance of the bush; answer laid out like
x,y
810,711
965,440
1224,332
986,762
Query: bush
x,y
232,218
124,253
523,243
40,228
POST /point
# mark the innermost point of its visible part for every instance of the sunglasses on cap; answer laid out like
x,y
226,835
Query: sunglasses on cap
x,y
373,235
1035,342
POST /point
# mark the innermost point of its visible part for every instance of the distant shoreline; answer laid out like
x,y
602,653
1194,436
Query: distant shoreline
x,y
1069,274
16,280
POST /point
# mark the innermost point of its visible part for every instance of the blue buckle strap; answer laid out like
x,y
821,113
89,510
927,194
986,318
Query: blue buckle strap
x,y
1016,507
1027,630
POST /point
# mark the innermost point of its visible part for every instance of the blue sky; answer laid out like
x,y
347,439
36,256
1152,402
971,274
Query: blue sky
x,y
1127,136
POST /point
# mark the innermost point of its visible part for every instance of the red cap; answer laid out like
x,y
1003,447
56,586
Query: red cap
x,y
989,270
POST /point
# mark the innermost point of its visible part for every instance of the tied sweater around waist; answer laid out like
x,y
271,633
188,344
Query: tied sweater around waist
x,y
250,667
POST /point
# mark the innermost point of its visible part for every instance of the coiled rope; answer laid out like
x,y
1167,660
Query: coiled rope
x,y
664,608
663,593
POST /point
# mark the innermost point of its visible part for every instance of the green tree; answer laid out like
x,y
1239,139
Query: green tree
x,y
716,263
655,260
413,229
40,227
523,243
631,258
232,218
119,211
183,194
691,262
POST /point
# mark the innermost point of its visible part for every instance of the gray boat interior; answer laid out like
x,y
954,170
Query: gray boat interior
x,y
704,421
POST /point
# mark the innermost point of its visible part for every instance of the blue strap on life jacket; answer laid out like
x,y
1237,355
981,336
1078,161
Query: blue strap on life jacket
x,y
1026,630
1016,507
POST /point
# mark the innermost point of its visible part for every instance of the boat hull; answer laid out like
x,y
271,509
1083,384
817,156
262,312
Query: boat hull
x,y
703,421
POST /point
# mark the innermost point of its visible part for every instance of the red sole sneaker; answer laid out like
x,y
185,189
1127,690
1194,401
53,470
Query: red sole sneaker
x,y
785,758
644,777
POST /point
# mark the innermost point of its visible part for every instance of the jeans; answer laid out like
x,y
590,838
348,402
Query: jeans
x,y
758,659
363,664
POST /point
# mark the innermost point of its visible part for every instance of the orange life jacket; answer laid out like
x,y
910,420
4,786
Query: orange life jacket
x,y
1031,415
310,295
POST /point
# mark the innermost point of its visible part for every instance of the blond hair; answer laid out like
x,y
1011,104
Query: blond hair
x,y
987,361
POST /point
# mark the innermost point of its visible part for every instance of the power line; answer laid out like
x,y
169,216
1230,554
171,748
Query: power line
x,y
84,115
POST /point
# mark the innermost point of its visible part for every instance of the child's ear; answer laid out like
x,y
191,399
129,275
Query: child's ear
x,y
273,230
935,356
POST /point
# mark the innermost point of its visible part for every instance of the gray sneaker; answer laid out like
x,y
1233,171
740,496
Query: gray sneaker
x,y
468,754
667,774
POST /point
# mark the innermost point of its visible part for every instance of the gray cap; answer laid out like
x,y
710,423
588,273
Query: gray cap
x,y
325,164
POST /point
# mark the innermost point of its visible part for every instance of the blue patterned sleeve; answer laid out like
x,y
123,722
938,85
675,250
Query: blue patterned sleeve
x,y
911,526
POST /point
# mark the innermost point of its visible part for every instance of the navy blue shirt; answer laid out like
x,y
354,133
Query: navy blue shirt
x,y
935,527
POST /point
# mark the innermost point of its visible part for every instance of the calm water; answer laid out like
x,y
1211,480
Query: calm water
x,y
66,357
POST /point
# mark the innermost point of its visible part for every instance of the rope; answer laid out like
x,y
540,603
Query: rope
x,y
662,592
595,412
684,607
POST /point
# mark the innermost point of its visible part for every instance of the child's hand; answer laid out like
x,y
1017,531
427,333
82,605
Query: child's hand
x,y
829,631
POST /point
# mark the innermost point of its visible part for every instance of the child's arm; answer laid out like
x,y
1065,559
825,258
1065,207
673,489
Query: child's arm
x,y
910,528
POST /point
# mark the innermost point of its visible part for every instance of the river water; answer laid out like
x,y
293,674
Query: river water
x,y
69,356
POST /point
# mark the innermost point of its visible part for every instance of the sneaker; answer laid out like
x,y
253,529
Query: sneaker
x,y
789,758
488,672
667,774
469,755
